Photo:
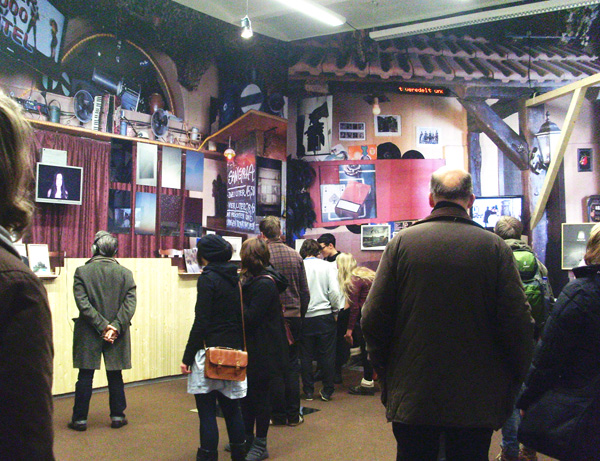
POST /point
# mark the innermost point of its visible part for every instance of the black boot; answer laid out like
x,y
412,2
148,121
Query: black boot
x,y
258,450
207,455
238,451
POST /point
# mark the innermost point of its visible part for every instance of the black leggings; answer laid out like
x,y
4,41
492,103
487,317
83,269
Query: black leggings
x,y
207,412
256,407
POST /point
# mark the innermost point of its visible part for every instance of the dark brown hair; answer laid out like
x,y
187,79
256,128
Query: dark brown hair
x,y
255,256
16,173
310,247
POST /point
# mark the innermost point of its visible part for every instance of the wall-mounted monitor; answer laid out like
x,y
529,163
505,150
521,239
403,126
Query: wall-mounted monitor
x,y
486,210
58,184
33,34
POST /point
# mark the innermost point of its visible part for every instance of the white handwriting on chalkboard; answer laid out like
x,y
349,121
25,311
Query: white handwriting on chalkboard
x,y
240,191
239,174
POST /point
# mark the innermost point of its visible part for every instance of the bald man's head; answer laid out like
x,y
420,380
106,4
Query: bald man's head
x,y
452,185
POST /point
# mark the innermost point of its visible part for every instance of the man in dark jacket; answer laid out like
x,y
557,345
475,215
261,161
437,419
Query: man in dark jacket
x,y
448,328
105,296
285,398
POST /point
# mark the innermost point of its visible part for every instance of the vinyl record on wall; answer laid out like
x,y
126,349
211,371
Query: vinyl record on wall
x,y
251,97
388,150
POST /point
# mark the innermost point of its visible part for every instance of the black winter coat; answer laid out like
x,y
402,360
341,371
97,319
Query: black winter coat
x,y
218,320
265,330
568,355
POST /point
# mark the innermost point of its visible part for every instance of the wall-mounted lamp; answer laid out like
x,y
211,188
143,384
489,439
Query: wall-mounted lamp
x,y
246,27
374,100
229,152
547,137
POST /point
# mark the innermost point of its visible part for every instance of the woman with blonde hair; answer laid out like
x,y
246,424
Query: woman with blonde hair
x,y
355,282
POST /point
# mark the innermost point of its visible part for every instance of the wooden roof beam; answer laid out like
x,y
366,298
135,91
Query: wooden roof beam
x,y
510,143
583,83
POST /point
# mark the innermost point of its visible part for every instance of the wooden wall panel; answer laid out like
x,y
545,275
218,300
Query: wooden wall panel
x,y
159,330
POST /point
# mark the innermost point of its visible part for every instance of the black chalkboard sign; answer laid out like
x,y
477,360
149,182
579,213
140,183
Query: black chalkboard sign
x,y
241,193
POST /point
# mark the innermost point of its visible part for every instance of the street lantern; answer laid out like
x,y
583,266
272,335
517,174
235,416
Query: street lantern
x,y
547,136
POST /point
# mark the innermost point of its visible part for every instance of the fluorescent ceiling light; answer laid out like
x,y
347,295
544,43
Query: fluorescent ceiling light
x,y
499,14
315,11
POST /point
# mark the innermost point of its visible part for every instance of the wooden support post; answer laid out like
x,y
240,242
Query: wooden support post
x,y
510,143
556,161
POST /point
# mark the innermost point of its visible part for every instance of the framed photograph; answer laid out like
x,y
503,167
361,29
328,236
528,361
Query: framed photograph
x,y
584,159
574,239
191,260
147,156
428,136
397,226
374,236
353,131
39,258
236,243
387,125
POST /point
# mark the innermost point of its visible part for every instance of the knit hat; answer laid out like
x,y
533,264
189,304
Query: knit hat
x,y
214,248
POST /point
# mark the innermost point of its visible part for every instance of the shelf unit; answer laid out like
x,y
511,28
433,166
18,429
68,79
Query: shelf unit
x,y
104,136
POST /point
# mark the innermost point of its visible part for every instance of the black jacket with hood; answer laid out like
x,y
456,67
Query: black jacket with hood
x,y
218,320
265,330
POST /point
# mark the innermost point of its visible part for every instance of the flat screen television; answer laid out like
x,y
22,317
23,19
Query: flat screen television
x,y
487,210
58,184
33,33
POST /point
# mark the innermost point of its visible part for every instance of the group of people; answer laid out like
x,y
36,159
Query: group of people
x,y
285,308
446,323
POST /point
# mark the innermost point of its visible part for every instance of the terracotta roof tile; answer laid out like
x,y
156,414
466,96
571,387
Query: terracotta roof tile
x,y
446,58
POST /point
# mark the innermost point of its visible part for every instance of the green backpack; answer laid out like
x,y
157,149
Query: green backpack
x,y
535,287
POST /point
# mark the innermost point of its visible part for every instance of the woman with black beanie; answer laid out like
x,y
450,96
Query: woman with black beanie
x,y
218,322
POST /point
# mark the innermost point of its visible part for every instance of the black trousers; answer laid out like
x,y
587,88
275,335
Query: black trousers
x,y
422,443
83,394
318,342
285,389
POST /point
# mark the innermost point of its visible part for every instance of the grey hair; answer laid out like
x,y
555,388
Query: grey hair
x,y
460,190
105,244
508,227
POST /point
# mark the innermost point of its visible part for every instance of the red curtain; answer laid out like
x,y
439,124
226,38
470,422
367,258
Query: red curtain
x,y
71,228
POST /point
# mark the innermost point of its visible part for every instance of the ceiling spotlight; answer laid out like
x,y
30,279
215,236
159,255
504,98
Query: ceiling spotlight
x,y
246,27
229,152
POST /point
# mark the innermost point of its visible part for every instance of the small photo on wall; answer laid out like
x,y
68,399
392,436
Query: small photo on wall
x,y
428,136
584,159
388,125
171,167
236,244
194,171
39,258
374,236
146,164
119,211
145,213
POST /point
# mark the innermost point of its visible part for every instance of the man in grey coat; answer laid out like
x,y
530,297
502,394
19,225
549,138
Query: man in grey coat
x,y
105,295
448,328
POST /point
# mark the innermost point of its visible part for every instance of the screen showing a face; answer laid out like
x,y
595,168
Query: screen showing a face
x,y
487,210
58,184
